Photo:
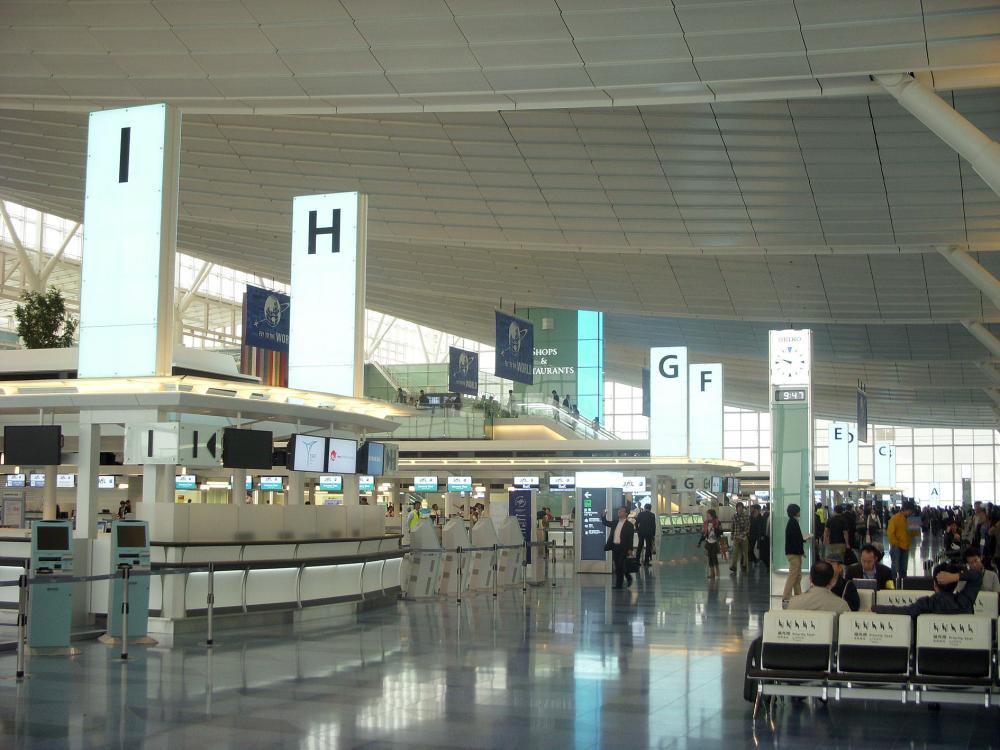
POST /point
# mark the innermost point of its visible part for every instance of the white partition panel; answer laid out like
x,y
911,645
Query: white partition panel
x,y
373,520
484,534
355,520
300,522
392,573
324,549
210,523
271,586
213,553
155,593
331,521
371,577
259,522
330,581
369,546
269,552
228,590
8,594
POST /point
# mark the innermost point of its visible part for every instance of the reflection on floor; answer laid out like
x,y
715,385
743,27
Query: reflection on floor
x,y
576,666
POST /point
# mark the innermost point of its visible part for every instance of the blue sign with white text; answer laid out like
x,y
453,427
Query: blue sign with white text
x,y
515,355
266,324
520,508
463,371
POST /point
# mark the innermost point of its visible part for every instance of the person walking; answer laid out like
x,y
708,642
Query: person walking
x,y
711,534
619,544
900,539
794,551
873,533
645,524
741,535
555,398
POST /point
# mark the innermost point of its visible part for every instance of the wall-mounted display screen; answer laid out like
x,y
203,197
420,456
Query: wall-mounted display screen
x,y
15,480
459,484
425,484
186,482
247,449
106,482
52,538
331,483
527,483
130,535
65,481
307,453
271,484
562,484
717,484
366,483
342,456
371,459
36,480
35,445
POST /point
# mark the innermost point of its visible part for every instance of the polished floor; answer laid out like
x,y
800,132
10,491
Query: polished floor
x,y
577,666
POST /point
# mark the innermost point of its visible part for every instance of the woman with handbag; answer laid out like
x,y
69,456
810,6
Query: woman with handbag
x,y
711,535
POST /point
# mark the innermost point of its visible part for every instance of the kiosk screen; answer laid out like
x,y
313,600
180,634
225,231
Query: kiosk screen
x,y
131,536
53,538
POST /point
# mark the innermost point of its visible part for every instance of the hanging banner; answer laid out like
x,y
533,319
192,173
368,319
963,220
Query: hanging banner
x,y
515,347
843,440
327,325
705,405
862,416
520,508
463,371
885,465
267,316
668,419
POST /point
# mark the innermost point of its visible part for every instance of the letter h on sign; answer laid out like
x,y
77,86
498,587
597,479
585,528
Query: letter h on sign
x,y
333,230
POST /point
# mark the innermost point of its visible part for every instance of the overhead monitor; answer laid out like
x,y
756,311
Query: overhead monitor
x,y
425,484
186,482
34,445
247,449
131,535
562,484
342,456
271,484
331,483
36,480
718,483
65,481
15,480
54,538
106,482
366,483
459,484
527,483
371,459
307,453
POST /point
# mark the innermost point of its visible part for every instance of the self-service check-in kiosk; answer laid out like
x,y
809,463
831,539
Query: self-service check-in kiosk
x,y
50,605
129,546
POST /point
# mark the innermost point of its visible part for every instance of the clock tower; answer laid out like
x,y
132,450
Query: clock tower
x,y
790,385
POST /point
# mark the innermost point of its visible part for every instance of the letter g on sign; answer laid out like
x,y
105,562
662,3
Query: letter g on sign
x,y
668,371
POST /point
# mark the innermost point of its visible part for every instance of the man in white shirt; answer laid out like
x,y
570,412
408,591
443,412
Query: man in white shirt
x,y
619,544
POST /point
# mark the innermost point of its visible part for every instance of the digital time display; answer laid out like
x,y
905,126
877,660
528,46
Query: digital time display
x,y
782,395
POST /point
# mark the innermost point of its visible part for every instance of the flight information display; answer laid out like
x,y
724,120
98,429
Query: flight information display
x,y
595,504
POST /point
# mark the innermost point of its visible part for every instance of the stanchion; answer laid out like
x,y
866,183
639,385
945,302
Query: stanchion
x,y
552,554
210,602
496,568
126,569
458,584
22,622
524,568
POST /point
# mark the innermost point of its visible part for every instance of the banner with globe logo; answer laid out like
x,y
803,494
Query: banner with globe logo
x,y
515,349
266,319
463,371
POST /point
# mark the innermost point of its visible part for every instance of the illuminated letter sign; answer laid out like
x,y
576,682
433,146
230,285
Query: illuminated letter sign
x,y
705,403
668,419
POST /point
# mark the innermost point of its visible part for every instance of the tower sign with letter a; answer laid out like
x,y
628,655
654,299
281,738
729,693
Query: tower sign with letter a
x,y
327,326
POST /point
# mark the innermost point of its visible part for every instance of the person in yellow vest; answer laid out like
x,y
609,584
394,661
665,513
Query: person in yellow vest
x,y
414,517
900,539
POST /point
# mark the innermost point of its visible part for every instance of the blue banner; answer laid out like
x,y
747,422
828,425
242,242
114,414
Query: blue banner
x,y
520,508
266,319
515,355
463,371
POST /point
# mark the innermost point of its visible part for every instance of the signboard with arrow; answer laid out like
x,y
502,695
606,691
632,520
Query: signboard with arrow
x,y
174,443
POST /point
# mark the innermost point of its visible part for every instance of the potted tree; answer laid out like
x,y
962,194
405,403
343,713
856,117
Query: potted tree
x,y
42,320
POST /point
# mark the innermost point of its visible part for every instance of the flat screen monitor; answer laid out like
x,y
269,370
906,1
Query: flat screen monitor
x,y
106,482
366,483
247,449
271,484
371,459
52,538
35,445
307,453
342,456
425,484
331,483
185,482
717,484
15,480
65,481
131,536
527,483
36,480
562,484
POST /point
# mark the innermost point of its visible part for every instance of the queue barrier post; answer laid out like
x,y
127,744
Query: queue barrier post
x,y
210,603
524,566
552,553
458,584
22,622
125,569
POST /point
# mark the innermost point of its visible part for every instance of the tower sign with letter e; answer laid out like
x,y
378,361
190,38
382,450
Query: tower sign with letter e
x,y
790,358
327,325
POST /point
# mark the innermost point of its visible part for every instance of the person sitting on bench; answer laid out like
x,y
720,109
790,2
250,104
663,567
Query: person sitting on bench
x,y
945,600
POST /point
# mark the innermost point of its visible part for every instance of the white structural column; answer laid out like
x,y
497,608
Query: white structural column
x,y
981,151
158,483
238,489
88,464
49,494
296,489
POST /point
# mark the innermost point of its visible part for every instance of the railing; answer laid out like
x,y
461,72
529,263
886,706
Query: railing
x,y
580,425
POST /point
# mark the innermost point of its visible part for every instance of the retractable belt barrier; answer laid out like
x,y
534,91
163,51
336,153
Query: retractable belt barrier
x,y
124,572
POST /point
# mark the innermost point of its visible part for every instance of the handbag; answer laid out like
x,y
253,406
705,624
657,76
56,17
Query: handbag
x,y
631,564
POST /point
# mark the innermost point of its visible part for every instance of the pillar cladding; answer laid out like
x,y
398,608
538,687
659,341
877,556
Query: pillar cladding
x,y
327,324
129,242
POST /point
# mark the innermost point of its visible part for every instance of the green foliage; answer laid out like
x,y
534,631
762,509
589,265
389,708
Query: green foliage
x,y
40,318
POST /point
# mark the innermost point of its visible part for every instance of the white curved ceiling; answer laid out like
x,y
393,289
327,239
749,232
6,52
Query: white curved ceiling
x,y
749,176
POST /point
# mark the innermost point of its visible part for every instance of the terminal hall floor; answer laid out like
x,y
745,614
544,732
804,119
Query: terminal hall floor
x,y
576,666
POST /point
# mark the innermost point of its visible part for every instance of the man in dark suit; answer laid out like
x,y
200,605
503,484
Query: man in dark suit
x,y
870,568
646,527
620,544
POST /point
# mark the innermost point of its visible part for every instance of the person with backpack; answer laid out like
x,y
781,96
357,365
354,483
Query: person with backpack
x,y
711,535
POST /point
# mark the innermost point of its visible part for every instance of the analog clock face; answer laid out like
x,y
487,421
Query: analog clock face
x,y
789,364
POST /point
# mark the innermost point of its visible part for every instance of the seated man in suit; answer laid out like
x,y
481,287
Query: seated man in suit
x,y
620,544
870,568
